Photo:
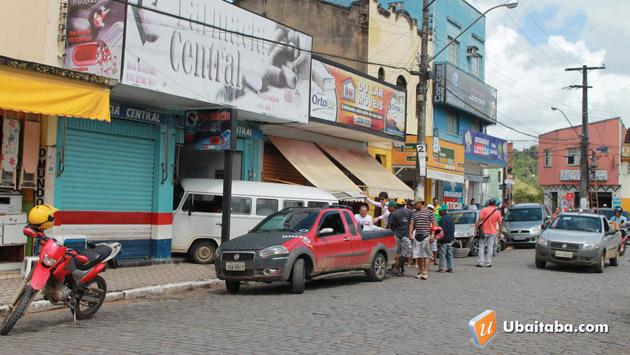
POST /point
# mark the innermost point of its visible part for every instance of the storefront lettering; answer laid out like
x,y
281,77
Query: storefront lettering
x,y
41,177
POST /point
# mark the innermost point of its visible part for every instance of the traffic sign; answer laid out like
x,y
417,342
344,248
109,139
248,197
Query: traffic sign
x,y
509,181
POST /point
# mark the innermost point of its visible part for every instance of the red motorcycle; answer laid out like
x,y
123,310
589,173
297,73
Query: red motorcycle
x,y
65,277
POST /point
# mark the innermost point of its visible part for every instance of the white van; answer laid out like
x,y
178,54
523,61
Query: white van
x,y
197,214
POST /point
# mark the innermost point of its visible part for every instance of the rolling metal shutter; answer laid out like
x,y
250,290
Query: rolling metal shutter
x,y
109,168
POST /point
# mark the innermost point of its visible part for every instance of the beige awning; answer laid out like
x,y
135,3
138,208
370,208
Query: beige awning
x,y
371,172
314,165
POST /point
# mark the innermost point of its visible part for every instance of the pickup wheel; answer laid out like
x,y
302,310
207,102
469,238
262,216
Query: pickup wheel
x,y
233,286
540,264
376,272
297,278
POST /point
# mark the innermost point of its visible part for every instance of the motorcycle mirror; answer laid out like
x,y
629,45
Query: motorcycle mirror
x,y
29,232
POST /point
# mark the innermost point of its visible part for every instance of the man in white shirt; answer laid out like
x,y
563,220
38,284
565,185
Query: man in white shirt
x,y
472,206
381,202
363,218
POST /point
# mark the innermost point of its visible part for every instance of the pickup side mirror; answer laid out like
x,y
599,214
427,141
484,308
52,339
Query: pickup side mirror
x,y
325,231
543,226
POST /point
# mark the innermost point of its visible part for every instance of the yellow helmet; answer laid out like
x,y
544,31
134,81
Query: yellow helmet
x,y
42,216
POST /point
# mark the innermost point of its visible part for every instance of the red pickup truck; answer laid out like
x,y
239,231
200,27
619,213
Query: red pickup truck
x,y
300,243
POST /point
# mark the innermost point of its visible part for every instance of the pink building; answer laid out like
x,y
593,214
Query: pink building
x,y
559,164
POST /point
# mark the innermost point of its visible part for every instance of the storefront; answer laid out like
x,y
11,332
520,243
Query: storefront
x,y
445,169
351,116
482,151
31,97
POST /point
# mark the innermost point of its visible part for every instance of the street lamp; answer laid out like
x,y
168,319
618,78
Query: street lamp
x,y
565,116
424,70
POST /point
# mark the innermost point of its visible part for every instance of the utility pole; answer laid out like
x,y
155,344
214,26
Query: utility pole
x,y
585,180
422,97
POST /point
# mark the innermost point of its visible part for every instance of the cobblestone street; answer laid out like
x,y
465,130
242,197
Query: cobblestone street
x,y
348,315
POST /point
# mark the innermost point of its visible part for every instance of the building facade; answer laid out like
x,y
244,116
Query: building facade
x,y
559,166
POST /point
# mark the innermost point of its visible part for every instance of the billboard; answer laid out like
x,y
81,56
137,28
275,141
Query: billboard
x,y
459,89
208,129
481,146
237,58
339,95
94,35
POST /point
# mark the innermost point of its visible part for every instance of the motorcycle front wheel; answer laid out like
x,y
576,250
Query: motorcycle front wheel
x,y
18,310
90,297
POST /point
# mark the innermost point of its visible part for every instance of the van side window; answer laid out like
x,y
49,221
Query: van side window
x,y
241,205
332,220
353,230
266,206
203,203
178,194
317,204
292,203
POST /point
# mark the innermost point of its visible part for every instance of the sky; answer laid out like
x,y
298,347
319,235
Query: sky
x,y
528,49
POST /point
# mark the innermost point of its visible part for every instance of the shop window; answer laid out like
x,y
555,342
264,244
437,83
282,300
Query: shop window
x,y
573,156
266,206
292,203
401,82
203,203
241,205
452,123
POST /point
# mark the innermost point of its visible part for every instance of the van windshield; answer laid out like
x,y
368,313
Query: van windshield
x,y
293,221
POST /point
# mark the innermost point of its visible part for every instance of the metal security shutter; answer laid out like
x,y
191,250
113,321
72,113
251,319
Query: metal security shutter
x,y
276,168
106,171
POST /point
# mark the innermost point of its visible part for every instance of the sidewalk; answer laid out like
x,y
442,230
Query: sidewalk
x,y
130,282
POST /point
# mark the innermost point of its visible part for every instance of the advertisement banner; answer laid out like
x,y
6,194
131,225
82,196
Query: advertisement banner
x,y
208,129
574,175
483,146
94,34
445,156
404,154
453,195
459,89
342,96
238,58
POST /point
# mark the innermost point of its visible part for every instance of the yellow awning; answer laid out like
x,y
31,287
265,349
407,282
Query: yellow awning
x,y
370,171
26,91
314,165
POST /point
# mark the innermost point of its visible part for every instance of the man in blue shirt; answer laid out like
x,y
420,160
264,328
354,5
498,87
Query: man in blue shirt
x,y
445,249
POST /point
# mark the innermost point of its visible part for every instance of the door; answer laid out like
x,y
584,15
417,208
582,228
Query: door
x,y
360,252
200,216
332,249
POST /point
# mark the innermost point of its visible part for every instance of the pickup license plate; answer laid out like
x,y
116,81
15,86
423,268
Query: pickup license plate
x,y
235,266
564,254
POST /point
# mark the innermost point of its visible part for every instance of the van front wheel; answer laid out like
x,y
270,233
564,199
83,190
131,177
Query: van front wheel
x,y
202,252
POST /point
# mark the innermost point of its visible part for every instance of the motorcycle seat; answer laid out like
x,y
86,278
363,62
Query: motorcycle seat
x,y
95,256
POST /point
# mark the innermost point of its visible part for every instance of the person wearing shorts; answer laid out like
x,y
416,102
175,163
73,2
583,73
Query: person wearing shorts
x,y
399,222
421,222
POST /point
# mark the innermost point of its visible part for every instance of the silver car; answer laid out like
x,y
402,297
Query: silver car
x,y
521,224
465,232
576,238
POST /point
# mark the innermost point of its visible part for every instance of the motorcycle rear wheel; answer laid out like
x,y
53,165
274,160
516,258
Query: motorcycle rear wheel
x,y
90,297
18,310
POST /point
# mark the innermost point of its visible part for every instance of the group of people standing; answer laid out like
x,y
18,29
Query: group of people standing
x,y
426,233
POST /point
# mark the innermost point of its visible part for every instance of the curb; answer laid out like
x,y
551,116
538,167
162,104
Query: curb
x,y
43,305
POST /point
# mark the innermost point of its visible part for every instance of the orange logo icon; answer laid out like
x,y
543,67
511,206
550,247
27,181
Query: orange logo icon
x,y
483,327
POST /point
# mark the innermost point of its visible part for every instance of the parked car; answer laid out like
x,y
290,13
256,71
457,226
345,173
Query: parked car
x,y
198,211
465,232
300,243
522,223
575,238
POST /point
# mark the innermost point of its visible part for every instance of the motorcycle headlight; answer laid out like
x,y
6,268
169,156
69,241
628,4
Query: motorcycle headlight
x,y
590,246
274,250
543,241
48,261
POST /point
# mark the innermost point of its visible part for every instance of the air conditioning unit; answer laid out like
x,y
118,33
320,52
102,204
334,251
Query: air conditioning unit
x,y
471,51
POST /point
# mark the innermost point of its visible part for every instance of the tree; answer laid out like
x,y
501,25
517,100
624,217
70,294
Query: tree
x,y
525,170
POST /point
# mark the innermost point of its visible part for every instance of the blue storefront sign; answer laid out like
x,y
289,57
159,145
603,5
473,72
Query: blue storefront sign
x,y
137,114
208,129
479,146
453,195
